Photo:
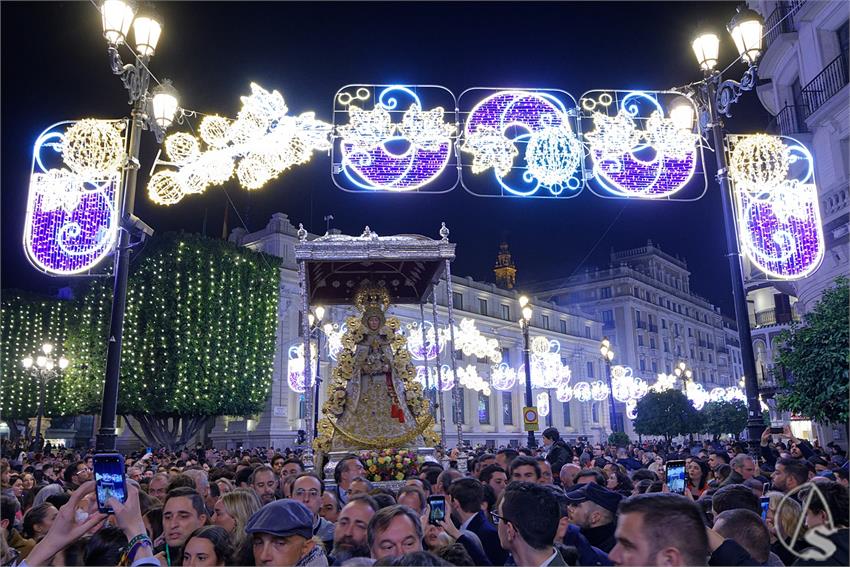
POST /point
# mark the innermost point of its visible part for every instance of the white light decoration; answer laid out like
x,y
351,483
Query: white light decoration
x,y
547,371
543,404
534,123
503,377
434,342
582,392
599,390
444,377
635,150
93,149
696,394
625,386
631,409
379,155
664,382
295,368
264,139
468,378
334,333
777,206
72,215
564,392
471,342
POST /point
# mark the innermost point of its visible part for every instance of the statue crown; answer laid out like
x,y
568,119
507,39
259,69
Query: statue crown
x,y
371,297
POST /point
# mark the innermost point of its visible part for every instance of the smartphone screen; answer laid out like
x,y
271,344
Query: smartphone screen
x,y
765,503
438,509
776,431
109,479
676,476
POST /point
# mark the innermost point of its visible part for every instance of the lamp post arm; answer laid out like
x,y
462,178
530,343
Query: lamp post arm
x,y
729,91
739,294
135,78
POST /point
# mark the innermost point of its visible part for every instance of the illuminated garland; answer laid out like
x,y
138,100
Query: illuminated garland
x,y
264,139
471,342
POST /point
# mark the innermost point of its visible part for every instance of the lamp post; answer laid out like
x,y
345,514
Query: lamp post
x,y
715,95
316,324
685,374
524,322
608,356
153,110
45,369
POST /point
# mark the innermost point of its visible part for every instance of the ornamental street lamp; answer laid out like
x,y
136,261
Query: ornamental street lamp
x,y
715,96
315,319
524,322
155,111
45,369
608,356
685,374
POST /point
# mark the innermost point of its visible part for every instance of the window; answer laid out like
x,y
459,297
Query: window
x,y
666,345
640,340
608,317
587,331
459,409
843,34
458,354
568,420
301,406
594,413
663,323
605,292
651,342
710,358
563,326
545,319
690,332
506,355
667,368
483,409
507,408
642,364
506,312
654,366
590,370
457,300
692,353
482,306
678,350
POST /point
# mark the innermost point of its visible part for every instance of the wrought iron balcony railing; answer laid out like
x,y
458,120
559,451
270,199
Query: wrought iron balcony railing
x,y
828,82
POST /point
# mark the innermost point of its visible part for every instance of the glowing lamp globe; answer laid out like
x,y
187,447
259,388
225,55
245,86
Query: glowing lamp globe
x,y
320,312
526,313
164,102
116,17
146,31
41,361
63,363
27,362
47,348
746,28
706,48
682,116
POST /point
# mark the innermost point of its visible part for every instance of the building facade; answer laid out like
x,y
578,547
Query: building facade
x,y
493,420
653,318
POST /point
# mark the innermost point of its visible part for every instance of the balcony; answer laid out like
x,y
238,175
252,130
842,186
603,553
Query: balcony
x,y
770,317
722,350
642,324
703,344
608,324
653,328
778,23
828,82
790,120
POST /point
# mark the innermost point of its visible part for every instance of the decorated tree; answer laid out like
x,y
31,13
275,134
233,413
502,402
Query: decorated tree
x,y
668,413
199,336
814,360
719,418
619,439
28,321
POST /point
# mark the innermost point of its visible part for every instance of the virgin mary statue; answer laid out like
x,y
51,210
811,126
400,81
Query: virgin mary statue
x,y
374,401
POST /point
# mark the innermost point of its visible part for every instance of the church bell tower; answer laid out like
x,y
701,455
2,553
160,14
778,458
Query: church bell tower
x,y
505,269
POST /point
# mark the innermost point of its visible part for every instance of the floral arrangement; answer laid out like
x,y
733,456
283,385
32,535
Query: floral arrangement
x,y
391,464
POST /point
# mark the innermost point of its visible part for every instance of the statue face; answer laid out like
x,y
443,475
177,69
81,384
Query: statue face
x,y
374,322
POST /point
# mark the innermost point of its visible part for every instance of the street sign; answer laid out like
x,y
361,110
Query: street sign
x,y
529,418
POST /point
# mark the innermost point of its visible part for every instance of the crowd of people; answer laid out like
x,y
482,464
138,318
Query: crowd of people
x,y
560,504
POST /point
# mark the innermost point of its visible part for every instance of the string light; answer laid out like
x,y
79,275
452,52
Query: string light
x,y
433,346
547,370
543,404
444,377
471,342
468,378
182,147
164,187
93,149
503,377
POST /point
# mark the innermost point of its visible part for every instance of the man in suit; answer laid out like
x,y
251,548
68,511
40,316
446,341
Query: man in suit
x,y
528,518
465,497
346,470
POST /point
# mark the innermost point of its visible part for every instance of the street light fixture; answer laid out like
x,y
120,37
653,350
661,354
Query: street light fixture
x,y
524,323
45,368
715,96
683,373
607,356
154,111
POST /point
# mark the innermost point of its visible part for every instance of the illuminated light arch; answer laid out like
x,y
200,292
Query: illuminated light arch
x,y
471,342
547,371
377,154
503,377
71,222
656,161
777,207
444,377
468,378
295,368
543,404
499,125
434,345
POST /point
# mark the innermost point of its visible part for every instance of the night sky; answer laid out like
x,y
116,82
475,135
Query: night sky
x,y
55,67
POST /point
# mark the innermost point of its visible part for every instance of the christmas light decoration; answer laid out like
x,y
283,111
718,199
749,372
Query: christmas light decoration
x,y
599,391
777,207
564,392
468,378
264,139
635,150
295,368
581,392
379,155
625,386
503,377
71,222
547,371
334,333
434,342
664,382
540,123
444,377
543,404
470,340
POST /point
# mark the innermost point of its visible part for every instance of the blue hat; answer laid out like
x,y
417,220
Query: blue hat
x,y
600,495
282,518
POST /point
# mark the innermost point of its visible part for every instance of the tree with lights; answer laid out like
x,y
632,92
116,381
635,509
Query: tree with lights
x,y
668,413
27,322
199,336
814,360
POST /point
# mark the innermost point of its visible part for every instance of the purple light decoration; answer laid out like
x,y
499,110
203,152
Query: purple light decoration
x,y
781,230
629,177
71,223
380,169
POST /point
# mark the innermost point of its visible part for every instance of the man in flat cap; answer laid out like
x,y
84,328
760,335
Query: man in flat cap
x,y
593,508
282,535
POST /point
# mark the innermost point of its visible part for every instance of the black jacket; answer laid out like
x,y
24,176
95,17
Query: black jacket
x,y
601,536
559,455
489,537
839,557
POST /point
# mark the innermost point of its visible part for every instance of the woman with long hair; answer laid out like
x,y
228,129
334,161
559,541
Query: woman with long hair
x,y
209,546
37,521
697,477
231,513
